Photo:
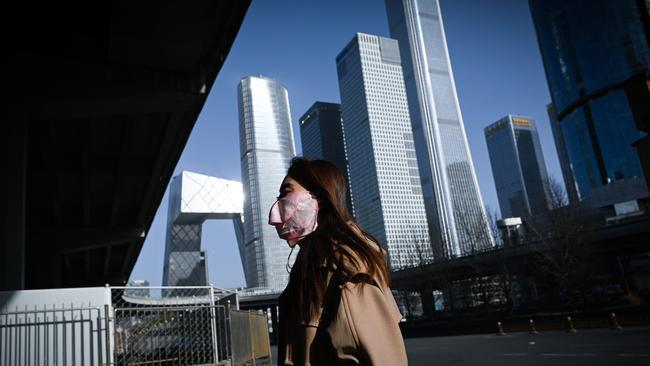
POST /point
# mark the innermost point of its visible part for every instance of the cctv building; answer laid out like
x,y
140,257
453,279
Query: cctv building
x,y
267,147
194,198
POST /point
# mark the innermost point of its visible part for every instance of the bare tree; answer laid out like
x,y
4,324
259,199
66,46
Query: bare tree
x,y
416,253
504,277
562,251
557,195
417,249
482,288
492,218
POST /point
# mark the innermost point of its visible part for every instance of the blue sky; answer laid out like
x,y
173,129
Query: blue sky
x,y
496,64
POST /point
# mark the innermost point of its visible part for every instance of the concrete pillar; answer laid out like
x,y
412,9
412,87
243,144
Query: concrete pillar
x,y
13,165
426,296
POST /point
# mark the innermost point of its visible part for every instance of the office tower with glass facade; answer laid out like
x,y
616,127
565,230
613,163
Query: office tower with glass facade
x,y
457,219
562,154
384,175
589,49
518,166
321,133
267,147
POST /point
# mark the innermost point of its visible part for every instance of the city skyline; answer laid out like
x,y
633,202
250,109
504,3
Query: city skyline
x,y
154,162
309,73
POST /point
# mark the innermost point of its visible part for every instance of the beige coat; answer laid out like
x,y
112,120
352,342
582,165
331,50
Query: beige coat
x,y
358,326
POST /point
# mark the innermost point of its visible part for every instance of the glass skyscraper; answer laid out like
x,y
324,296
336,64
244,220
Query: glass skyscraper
x,y
321,134
384,175
454,205
563,155
518,166
589,48
267,147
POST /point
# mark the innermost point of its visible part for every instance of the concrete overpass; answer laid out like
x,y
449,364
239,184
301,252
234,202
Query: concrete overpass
x,y
102,97
603,249
626,238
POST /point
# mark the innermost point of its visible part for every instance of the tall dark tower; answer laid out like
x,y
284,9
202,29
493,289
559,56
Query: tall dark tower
x,y
518,166
590,49
322,136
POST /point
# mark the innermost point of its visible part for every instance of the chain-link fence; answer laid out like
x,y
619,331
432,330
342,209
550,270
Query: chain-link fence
x,y
168,326
186,326
167,335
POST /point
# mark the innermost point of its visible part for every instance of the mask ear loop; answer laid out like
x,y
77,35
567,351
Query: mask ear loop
x,y
287,266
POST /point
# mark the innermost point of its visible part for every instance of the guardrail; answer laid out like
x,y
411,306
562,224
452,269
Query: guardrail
x,y
131,326
65,336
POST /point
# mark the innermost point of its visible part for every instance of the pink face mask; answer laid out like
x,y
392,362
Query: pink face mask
x,y
294,216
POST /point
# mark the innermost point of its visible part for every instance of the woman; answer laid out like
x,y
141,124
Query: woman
x,y
337,308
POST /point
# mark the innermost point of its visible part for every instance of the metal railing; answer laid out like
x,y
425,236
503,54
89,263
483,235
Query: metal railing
x,y
64,336
133,326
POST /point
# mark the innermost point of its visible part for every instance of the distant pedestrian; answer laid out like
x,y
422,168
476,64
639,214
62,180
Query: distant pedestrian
x,y
337,308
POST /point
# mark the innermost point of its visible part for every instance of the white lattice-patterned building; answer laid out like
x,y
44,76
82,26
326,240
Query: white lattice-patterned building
x,y
193,199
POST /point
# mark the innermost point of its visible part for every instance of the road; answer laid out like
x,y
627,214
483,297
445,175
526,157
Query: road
x,y
630,346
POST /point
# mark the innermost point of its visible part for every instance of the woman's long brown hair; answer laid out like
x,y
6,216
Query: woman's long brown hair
x,y
338,242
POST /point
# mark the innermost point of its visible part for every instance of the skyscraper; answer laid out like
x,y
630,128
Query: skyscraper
x,y
563,157
454,205
384,176
589,49
518,166
267,147
321,133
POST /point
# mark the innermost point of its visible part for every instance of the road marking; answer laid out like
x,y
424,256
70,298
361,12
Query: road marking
x,y
514,354
633,354
569,354
607,344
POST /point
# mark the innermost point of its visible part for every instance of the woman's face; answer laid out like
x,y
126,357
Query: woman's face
x,y
290,185
295,213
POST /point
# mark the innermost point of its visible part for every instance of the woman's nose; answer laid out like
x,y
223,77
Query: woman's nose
x,y
274,215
